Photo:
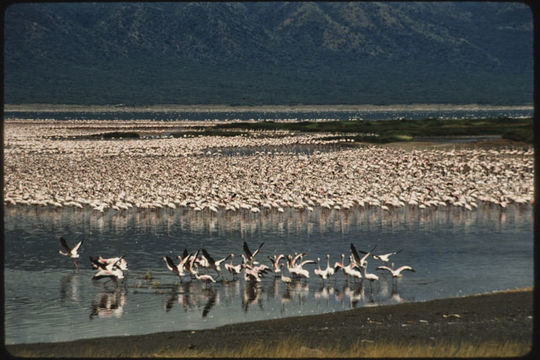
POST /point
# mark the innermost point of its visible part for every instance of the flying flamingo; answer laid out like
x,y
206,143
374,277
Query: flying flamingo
x,y
385,257
249,255
396,272
70,252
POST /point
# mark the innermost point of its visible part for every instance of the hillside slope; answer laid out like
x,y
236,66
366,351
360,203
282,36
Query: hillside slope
x,y
268,53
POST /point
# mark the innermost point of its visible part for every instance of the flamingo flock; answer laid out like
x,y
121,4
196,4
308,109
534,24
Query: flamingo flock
x,y
45,166
201,266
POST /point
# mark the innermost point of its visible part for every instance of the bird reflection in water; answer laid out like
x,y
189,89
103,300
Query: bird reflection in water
x,y
252,295
355,292
182,295
299,289
69,284
231,290
324,292
109,304
212,298
285,299
193,296
395,297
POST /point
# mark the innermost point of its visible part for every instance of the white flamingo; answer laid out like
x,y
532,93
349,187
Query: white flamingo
x,y
70,252
275,263
233,269
386,257
396,273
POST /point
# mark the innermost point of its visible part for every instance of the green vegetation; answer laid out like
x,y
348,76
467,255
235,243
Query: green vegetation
x,y
116,135
383,131
370,131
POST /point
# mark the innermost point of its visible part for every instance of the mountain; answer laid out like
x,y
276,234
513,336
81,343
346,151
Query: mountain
x,y
249,53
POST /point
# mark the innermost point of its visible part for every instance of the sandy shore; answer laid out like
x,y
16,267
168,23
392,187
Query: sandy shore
x,y
494,318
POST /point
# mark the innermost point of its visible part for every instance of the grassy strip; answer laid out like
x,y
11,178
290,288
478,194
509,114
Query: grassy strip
x,y
402,130
108,135
292,348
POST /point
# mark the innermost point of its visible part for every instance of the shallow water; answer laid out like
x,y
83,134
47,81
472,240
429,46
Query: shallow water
x,y
268,115
455,252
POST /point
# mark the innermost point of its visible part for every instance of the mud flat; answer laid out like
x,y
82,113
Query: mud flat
x,y
486,321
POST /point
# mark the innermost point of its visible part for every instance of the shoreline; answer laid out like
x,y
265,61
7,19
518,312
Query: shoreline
x,y
496,317
258,108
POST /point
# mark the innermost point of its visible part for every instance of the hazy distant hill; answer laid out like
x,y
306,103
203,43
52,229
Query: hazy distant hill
x,y
268,53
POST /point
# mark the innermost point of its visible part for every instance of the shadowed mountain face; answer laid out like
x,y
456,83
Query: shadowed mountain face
x,y
268,53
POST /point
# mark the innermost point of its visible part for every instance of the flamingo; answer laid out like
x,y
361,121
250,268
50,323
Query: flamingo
x,y
298,269
318,270
350,269
396,272
341,264
361,261
233,269
275,263
119,262
70,252
284,279
110,263
106,270
251,274
369,276
114,273
329,270
249,255
177,269
205,278
191,264
213,263
385,257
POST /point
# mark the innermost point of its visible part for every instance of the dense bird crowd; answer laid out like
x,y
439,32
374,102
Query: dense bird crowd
x,y
202,174
200,265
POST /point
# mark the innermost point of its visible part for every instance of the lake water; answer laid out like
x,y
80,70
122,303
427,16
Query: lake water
x,y
455,252
268,115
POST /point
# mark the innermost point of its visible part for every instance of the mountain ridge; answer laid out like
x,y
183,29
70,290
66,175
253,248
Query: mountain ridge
x,y
268,53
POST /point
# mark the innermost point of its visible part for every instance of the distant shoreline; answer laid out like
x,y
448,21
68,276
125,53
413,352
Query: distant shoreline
x,y
260,108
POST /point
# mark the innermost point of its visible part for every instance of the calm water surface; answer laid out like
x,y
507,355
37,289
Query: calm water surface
x,y
268,115
454,252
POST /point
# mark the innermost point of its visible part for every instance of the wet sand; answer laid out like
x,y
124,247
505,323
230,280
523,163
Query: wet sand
x,y
496,318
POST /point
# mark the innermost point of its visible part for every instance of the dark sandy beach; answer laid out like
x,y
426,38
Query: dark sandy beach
x,y
487,318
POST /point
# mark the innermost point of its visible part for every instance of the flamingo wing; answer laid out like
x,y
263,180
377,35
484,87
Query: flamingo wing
x,y
355,252
258,249
382,267
208,257
95,263
76,247
222,260
64,244
246,250
305,262
405,267
170,263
